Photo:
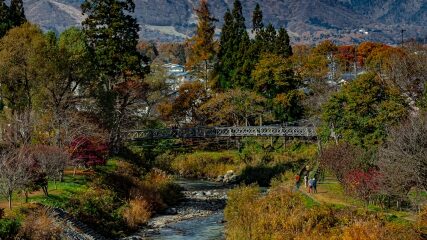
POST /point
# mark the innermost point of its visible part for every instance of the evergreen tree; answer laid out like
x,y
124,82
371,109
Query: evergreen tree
x,y
268,39
224,65
234,44
257,17
16,12
203,45
112,34
239,19
4,18
282,44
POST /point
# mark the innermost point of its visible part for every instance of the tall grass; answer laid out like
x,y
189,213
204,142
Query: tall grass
x,y
284,214
206,164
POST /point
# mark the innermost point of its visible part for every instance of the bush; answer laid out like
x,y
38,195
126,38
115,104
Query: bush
x,y
206,164
163,185
98,208
137,213
40,225
8,228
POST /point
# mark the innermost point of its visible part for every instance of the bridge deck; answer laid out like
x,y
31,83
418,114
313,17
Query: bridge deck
x,y
205,132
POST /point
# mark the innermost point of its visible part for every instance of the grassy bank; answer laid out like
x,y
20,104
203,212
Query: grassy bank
x,y
286,214
114,199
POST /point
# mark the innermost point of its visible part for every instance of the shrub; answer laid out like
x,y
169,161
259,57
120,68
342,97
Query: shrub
x,y
206,164
8,228
169,192
40,225
98,208
137,213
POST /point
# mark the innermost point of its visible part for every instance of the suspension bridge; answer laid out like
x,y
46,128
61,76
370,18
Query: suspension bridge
x,y
221,132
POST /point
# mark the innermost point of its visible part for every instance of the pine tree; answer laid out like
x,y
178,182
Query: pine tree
x,y
224,65
112,34
239,19
268,39
282,44
203,45
234,44
4,18
257,17
16,11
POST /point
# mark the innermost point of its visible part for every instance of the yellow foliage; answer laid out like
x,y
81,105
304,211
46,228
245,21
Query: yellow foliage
x,y
283,214
137,213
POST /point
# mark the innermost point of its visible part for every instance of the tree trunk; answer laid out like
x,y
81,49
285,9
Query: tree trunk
x,y
10,200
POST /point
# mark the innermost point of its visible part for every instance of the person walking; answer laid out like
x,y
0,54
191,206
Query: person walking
x,y
314,185
297,178
305,181
310,185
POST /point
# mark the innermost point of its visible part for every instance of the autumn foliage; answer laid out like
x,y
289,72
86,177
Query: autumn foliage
x,y
282,214
88,151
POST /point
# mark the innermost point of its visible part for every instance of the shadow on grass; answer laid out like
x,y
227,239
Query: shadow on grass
x,y
263,174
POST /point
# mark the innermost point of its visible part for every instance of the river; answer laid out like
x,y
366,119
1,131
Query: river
x,y
199,217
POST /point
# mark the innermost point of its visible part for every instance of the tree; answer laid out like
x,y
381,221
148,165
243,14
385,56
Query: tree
x,y
235,107
363,109
51,162
112,34
203,45
257,17
183,109
66,71
15,171
274,78
282,44
234,43
267,39
16,12
5,22
402,159
88,151
20,54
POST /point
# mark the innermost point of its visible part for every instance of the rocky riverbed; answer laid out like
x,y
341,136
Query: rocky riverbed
x,y
202,208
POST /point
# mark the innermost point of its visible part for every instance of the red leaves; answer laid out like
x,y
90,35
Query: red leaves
x,y
88,151
363,183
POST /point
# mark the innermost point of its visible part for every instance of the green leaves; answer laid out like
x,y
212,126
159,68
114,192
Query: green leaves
x,y
363,110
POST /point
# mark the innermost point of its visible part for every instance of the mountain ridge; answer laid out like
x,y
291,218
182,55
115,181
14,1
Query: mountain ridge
x,y
308,21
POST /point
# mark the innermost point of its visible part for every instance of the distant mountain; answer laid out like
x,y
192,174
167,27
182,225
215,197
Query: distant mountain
x,y
307,21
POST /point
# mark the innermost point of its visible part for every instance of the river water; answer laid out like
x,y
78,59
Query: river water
x,y
201,228
205,228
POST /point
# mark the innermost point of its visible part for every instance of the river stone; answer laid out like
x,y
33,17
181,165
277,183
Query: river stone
x,y
171,211
220,178
200,194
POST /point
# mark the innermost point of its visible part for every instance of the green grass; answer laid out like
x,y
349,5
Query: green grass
x,y
309,202
71,186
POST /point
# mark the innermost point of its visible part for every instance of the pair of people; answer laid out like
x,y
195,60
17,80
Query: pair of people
x,y
310,184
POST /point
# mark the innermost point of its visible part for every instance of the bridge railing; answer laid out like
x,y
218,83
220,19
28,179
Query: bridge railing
x,y
206,132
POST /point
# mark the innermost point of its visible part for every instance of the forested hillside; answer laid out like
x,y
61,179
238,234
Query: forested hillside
x,y
307,20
